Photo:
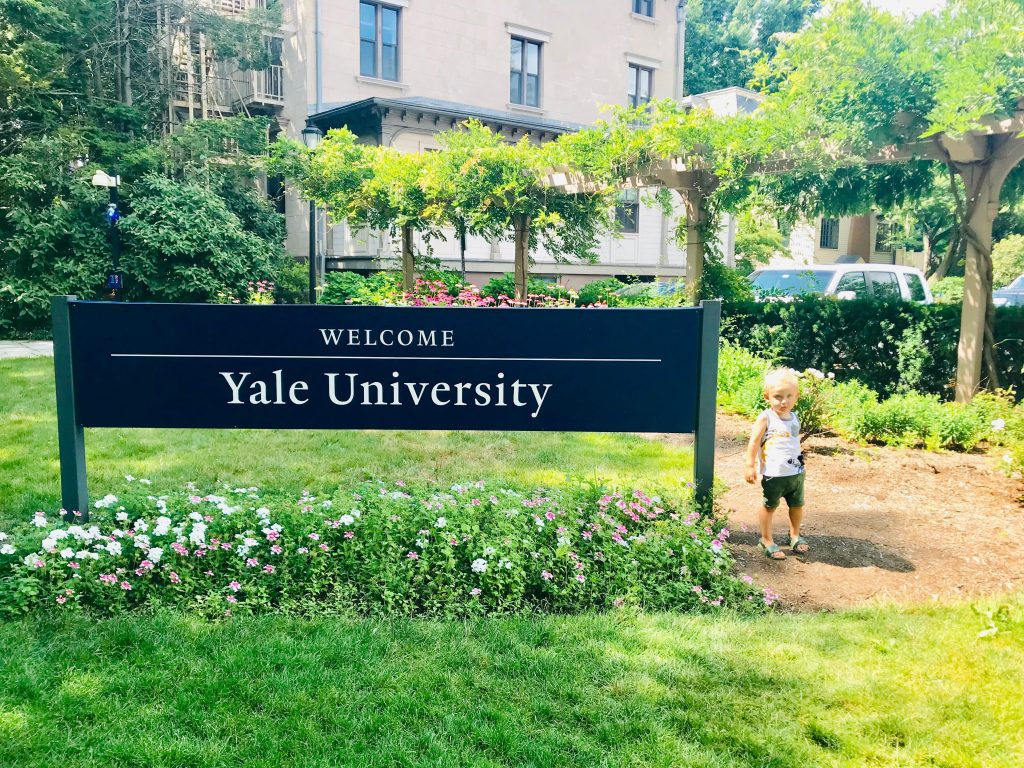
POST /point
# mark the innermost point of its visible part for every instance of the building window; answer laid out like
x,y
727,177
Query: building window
x,y
829,234
378,41
885,237
639,85
524,72
627,212
643,7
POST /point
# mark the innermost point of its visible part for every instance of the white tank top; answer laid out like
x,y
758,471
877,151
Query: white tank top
x,y
780,446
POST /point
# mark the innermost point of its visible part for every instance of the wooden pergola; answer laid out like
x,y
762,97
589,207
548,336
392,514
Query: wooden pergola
x,y
982,158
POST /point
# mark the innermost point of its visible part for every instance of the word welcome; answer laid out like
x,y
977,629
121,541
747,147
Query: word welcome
x,y
348,389
387,337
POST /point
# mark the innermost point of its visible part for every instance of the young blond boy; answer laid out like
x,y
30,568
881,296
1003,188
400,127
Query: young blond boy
x,y
774,446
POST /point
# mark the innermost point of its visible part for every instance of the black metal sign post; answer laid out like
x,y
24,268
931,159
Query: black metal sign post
x,y
344,367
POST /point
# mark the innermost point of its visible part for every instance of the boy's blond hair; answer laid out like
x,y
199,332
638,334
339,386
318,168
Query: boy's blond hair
x,y
780,376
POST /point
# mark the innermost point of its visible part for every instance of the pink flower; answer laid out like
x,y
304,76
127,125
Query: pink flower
x,y
324,547
108,578
231,599
580,578
413,556
175,578
303,550
698,589
746,579
252,562
126,586
61,599
276,550
208,573
314,536
587,535
234,586
547,575
350,534
268,569
73,566
549,515
474,591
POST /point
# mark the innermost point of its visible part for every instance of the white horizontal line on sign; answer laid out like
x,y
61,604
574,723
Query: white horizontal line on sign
x,y
381,357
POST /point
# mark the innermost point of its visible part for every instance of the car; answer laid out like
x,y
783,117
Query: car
x,y
1010,296
842,281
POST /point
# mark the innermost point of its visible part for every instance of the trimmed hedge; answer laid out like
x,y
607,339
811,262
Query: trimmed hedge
x,y
892,347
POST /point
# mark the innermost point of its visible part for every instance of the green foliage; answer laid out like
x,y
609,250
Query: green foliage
x,y
600,292
719,281
182,243
291,282
1007,260
506,286
949,290
890,346
741,379
758,239
380,288
901,420
377,549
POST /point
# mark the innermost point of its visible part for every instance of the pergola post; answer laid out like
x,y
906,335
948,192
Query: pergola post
x,y
696,213
983,182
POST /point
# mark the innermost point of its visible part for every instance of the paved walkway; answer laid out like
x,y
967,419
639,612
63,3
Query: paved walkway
x,y
10,349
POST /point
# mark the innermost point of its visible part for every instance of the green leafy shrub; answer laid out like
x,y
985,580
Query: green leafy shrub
x,y
374,549
600,292
506,286
845,401
889,346
960,426
719,281
741,380
949,290
1007,260
291,282
900,420
341,287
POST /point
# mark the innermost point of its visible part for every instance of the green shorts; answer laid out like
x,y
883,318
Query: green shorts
x,y
790,488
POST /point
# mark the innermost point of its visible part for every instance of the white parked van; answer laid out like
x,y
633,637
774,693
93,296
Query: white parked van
x,y
843,281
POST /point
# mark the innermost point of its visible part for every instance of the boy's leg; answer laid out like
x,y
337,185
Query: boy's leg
x,y
764,522
796,516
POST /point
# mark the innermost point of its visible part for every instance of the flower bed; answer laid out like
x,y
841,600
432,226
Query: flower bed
x,y
375,549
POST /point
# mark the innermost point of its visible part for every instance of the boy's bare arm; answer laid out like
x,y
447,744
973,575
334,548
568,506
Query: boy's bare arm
x,y
753,445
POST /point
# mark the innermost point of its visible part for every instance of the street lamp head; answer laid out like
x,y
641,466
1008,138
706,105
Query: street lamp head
x,y
103,179
311,136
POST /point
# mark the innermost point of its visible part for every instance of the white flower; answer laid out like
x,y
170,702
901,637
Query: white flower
x,y
39,520
57,534
113,548
198,534
440,522
121,517
1007,458
195,516
129,478
479,565
142,541
506,564
262,513
155,554
421,543
563,541
141,526
346,519
356,514
488,551
998,425
67,553
163,525
815,373
107,501
6,549
144,481
327,504
3,536
84,553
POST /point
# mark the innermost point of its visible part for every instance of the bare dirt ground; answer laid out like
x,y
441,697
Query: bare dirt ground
x,y
885,524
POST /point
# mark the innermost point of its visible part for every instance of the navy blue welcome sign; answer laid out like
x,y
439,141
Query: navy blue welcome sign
x,y
344,367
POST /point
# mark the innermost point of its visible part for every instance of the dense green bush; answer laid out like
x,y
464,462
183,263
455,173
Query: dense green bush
x,y
506,286
383,288
373,549
291,282
599,292
949,290
889,346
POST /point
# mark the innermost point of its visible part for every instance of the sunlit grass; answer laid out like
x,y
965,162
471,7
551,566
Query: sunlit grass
x,y
879,687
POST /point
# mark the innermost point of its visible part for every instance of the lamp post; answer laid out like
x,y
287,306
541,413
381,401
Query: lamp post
x,y
114,279
311,136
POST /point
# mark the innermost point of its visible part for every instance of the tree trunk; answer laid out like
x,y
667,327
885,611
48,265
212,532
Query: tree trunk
x,y
408,267
521,225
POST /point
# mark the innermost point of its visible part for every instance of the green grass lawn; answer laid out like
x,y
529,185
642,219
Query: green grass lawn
x,y
882,687
878,687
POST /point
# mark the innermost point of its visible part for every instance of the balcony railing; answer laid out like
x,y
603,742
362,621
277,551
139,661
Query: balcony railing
x,y
237,7
268,84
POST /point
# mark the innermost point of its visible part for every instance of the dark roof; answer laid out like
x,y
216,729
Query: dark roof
x,y
341,115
